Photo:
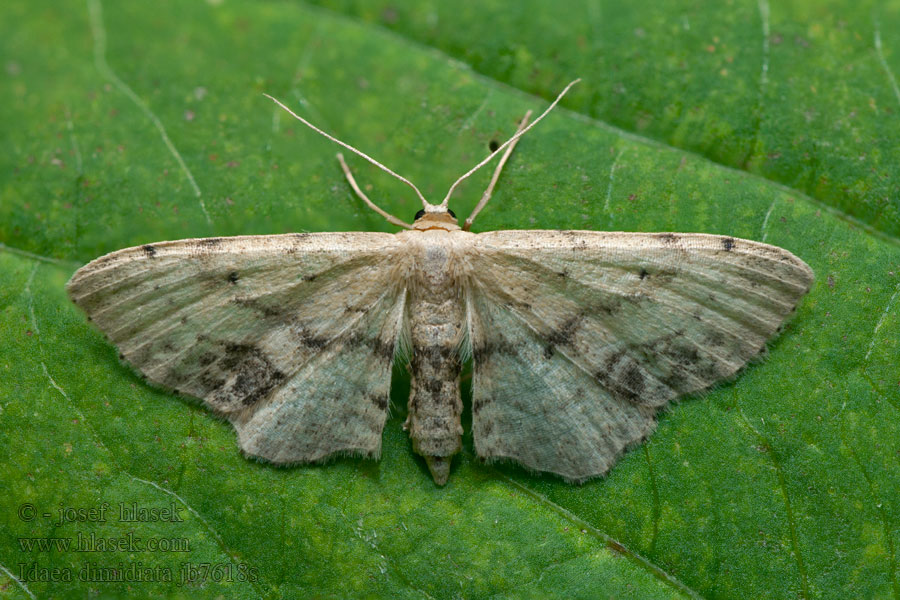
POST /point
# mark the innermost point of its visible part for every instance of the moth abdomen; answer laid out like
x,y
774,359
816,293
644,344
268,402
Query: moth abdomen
x,y
435,320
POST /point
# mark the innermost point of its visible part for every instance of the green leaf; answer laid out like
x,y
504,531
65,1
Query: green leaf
x,y
803,93
129,123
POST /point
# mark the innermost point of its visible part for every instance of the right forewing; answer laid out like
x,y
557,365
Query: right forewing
x,y
579,337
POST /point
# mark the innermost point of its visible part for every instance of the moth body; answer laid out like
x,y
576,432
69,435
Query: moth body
x,y
436,319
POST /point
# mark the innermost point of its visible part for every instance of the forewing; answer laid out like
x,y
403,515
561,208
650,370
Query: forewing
x,y
337,401
579,337
253,322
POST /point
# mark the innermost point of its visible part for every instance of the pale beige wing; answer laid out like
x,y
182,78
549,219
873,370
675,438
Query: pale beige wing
x,y
579,337
291,337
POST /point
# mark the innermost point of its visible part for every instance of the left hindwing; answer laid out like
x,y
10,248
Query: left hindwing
x,y
629,321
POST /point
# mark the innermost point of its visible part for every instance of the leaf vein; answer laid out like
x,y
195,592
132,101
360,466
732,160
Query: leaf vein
x,y
99,441
19,582
611,543
792,522
98,31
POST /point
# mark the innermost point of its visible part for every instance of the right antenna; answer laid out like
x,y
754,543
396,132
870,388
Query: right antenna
x,y
507,143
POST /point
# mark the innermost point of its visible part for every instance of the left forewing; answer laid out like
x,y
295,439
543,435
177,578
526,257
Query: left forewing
x,y
290,337
627,321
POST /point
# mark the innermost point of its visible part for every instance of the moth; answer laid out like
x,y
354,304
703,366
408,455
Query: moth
x,y
577,338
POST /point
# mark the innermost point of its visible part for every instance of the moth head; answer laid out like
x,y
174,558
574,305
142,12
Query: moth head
x,y
436,218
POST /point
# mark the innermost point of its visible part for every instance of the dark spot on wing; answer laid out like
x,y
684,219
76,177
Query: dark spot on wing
x,y
715,338
309,339
633,378
478,404
310,277
643,273
254,375
210,242
486,349
258,306
684,352
380,401
211,380
348,309
608,306
378,347
728,244
149,251
621,377
686,366
667,238
207,358
233,277
565,334
383,349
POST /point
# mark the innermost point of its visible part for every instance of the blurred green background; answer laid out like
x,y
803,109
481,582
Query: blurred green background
x,y
129,123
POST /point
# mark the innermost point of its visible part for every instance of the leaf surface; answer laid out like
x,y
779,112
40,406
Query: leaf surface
x,y
131,123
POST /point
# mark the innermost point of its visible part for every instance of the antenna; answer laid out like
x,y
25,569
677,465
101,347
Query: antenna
x,y
390,218
508,142
425,203
495,177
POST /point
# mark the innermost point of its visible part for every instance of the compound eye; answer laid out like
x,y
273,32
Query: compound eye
x,y
419,215
452,214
